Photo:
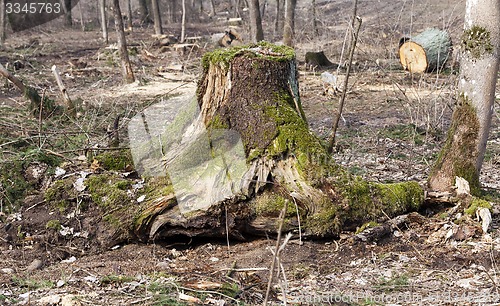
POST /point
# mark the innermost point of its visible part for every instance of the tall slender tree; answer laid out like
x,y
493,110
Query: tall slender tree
x,y
2,22
104,20
463,152
256,32
156,16
68,19
288,29
128,74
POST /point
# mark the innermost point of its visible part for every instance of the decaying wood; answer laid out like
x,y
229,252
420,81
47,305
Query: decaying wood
x,y
67,100
427,51
246,151
317,59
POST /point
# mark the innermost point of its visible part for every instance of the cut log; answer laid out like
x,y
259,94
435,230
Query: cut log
x,y
425,52
241,151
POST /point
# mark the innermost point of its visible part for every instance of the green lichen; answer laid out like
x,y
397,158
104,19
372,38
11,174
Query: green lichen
x,y
326,222
271,204
475,204
118,160
477,41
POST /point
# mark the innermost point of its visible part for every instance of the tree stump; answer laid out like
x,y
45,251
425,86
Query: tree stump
x,y
425,52
319,59
246,153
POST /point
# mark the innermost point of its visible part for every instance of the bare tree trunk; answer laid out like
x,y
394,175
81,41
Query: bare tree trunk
x,y
212,7
68,19
288,29
143,9
279,18
129,15
263,9
128,74
463,152
156,17
314,18
256,32
2,22
104,20
183,23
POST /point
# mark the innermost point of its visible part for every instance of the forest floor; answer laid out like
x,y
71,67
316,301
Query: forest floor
x,y
393,127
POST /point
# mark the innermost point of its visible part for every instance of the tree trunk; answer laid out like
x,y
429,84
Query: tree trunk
x,y
427,51
212,8
104,20
314,18
143,9
68,19
156,17
183,22
463,152
128,74
288,30
2,22
242,149
129,15
257,34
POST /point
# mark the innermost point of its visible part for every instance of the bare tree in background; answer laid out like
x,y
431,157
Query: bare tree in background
x,y
143,9
172,11
314,18
156,17
2,22
278,21
256,32
183,23
212,7
129,15
289,26
128,74
104,20
68,19
463,152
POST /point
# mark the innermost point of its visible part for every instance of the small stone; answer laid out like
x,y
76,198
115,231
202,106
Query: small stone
x,y
7,271
34,265
163,265
70,300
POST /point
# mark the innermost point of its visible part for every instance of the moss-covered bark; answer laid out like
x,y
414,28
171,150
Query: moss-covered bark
x,y
250,91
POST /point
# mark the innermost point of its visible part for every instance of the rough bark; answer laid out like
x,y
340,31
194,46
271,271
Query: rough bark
x,y
465,146
256,32
246,153
156,17
289,27
127,72
427,51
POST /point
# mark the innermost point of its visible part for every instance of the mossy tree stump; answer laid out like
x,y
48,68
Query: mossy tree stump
x,y
252,92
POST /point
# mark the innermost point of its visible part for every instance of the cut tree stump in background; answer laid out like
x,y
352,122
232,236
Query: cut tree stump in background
x,y
425,52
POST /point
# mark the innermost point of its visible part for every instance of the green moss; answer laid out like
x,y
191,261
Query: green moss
x,y
105,190
59,193
118,160
326,222
459,151
53,224
475,205
369,224
225,56
477,41
271,204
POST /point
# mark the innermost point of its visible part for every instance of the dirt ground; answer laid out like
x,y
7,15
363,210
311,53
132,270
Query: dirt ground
x,y
392,128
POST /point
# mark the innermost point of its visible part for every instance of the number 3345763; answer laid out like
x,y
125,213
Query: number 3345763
x,y
32,8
